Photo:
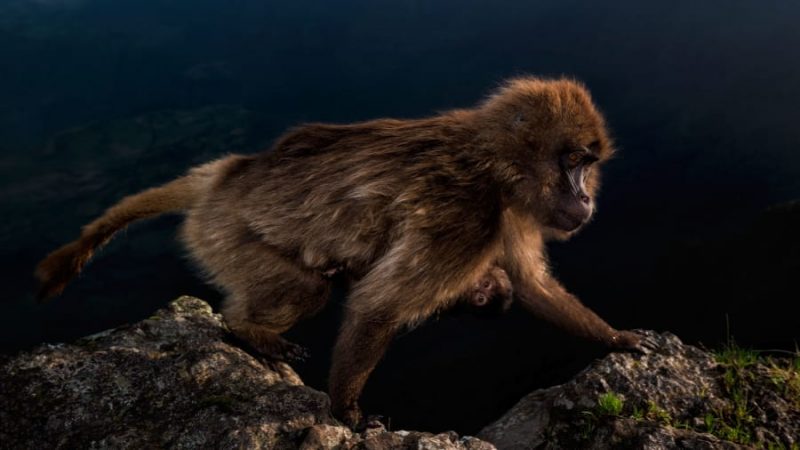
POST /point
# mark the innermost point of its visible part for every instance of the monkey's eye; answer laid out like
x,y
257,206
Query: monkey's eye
x,y
582,157
575,158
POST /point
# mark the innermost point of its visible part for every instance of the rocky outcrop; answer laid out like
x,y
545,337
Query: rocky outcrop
x,y
676,397
173,381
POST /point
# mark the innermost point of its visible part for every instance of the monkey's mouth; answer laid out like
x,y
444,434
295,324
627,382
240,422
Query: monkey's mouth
x,y
566,222
571,213
570,219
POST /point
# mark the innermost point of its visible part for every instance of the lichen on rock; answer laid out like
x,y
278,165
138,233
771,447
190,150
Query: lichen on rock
x,y
174,381
678,396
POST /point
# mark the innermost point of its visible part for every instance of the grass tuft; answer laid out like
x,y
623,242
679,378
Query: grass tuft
x,y
732,355
610,404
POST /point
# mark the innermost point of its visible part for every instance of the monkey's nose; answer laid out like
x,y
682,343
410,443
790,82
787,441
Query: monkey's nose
x,y
584,198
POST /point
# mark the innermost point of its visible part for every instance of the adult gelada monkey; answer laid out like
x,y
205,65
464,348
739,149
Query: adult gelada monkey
x,y
416,212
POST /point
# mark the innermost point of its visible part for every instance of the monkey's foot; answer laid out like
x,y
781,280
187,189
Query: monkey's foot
x,y
350,416
275,348
289,351
373,421
283,350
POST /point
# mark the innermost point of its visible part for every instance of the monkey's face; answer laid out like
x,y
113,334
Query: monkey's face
x,y
558,140
568,178
568,171
573,205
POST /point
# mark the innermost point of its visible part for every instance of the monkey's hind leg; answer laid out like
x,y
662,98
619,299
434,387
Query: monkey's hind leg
x,y
263,337
259,310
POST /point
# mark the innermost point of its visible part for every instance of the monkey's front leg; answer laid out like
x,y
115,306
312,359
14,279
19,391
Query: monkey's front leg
x,y
546,298
362,341
408,284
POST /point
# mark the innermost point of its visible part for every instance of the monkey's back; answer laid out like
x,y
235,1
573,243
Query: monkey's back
x,y
340,193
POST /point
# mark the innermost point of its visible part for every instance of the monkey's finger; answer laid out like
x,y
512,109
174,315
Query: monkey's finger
x,y
642,349
649,343
646,343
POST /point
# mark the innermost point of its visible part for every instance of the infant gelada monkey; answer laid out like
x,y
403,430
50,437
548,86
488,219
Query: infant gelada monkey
x,y
416,212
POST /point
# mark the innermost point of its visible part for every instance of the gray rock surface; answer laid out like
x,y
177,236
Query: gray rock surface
x,y
675,397
174,381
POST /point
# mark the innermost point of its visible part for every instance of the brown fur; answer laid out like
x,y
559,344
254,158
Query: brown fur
x,y
417,212
60,266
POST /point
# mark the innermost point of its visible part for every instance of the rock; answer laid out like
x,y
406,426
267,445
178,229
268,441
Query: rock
x,y
175,381
326,437
675,397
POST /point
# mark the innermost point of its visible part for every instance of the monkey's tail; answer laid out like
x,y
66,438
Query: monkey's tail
x,y
60,266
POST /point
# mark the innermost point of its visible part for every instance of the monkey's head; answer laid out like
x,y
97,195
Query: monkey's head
x,y
548,141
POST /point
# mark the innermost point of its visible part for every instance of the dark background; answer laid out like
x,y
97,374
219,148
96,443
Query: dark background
x,y
696,230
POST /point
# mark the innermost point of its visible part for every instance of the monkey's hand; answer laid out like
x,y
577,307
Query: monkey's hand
x,y
632,340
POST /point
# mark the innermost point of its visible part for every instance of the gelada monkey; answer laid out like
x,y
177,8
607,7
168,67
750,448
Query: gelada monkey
x,y
491,295
416,211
